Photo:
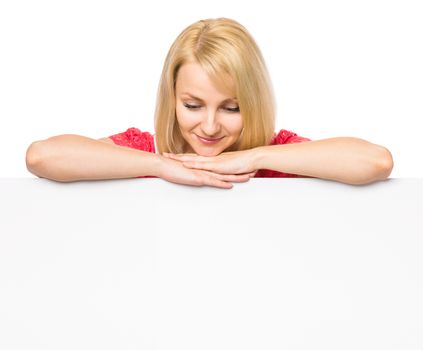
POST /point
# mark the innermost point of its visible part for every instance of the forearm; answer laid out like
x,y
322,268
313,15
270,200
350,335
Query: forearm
x,y
72,157
344,159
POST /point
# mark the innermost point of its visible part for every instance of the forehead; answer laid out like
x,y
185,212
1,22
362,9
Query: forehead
x,y
193,79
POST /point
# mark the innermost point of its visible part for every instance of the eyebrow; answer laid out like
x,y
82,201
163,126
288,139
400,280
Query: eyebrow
x,y
199,99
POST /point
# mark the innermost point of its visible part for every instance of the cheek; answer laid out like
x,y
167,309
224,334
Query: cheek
x,y
235,126
182,118
185,121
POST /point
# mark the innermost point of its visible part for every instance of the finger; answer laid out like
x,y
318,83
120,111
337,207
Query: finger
x,y
250,174
240,175
237,178
212,181
205,165
208,178
230,177
222,184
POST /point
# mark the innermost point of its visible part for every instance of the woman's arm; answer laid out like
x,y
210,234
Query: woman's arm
x,y
67,158
345,159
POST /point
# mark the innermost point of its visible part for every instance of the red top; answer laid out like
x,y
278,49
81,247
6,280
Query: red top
x,y
144,141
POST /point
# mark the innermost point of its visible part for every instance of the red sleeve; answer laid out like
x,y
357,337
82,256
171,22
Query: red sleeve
x,y
286,136
135,138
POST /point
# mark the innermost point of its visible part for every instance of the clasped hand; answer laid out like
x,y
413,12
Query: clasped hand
x,y
238,162
218,171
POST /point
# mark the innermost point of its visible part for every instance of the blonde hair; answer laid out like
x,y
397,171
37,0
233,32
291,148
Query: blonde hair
x,y
224,49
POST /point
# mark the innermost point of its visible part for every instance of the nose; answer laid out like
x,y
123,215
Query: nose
x,y
210,124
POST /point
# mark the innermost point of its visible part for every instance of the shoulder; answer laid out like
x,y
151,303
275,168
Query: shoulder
x,y
286,136
134,138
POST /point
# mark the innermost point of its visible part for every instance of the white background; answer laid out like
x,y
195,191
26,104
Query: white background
x,y
150,265
339,68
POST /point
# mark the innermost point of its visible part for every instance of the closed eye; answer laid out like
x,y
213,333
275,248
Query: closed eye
x,y
191,106
234,110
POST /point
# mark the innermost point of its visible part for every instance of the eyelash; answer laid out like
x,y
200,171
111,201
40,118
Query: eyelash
x,y
232,110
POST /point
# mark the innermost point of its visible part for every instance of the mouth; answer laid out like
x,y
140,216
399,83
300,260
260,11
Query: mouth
x,y
209,141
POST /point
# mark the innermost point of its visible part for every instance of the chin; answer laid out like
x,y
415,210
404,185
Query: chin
x,y
209,152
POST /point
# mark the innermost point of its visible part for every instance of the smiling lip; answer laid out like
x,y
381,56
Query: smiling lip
x,y
209,141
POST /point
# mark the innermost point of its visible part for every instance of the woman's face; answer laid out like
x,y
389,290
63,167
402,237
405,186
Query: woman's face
x,y
202,110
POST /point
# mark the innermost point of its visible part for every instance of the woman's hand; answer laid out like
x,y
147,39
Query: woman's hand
x,y
238,162
174,171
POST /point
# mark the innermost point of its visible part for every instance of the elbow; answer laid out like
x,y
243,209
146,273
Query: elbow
x,y
40,161
33,157
378,168
37,160
384,164
381,167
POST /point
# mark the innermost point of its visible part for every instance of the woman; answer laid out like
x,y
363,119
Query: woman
x,y
214,123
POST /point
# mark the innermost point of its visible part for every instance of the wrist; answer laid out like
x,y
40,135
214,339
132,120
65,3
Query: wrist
x,y
159,165
257,156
